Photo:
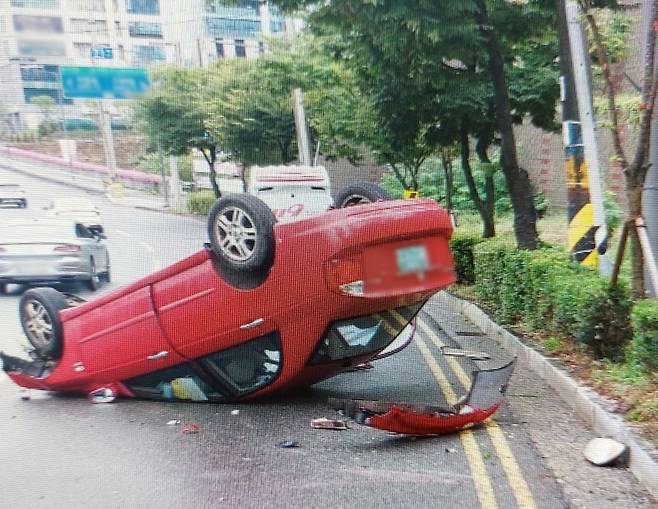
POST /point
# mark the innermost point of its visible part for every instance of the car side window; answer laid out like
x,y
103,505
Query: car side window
x,y
83,232
178,383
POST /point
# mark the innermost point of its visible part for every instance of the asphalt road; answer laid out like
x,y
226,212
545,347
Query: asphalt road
x,y
61,451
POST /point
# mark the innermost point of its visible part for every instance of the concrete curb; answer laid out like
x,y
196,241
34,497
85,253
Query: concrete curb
x,y
581,399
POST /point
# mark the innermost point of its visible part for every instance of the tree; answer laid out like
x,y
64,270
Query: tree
x,y
635,168
413,57
46,105
172,115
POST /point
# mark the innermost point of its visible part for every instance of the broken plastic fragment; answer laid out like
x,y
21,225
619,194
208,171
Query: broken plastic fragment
x,y
604,451
235,412
25,394
324,423
470,354
173,422
288,444
190,428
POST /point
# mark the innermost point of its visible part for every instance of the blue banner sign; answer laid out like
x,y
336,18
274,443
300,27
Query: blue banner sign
x,y
104,52
103,82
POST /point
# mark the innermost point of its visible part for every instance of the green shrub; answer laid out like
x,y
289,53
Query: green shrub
x,y
644,348
545,291
462,252
488,261
200,202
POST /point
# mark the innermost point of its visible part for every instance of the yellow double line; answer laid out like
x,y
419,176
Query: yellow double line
x,y
483,487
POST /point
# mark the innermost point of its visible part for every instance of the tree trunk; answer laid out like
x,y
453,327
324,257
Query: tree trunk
x,y
518,183
634,197
486,214
211,174
447,173
489,186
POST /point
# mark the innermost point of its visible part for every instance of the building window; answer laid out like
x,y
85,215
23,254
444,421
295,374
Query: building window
x,y
144,29
46,24
145,55
30,93
36,4
41,48
143,6
42,73
238,9
87,5
240,50
88,25
261,47
218,27
276,25
219,47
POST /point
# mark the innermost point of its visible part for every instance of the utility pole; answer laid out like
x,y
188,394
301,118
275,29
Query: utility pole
x,y
303,144
650,194
581,234
174,182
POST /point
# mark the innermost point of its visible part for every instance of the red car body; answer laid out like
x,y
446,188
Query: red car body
x,y
186,322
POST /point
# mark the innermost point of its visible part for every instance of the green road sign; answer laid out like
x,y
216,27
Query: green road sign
x,y
103,82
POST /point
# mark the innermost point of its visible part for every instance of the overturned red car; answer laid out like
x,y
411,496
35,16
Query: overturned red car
x,y
261,308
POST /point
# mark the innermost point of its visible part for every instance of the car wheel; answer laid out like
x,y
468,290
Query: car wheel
x,y
241,232
3,288
360,193
94,280
24,204
39,313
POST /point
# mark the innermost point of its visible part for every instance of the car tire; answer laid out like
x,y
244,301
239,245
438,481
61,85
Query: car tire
x,y
39,313
241,233
360,193
3,288
93,282
24,204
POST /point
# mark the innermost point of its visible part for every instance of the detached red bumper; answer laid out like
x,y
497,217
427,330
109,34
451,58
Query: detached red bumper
x,y
485,396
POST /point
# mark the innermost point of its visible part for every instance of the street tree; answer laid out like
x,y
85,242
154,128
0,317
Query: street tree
x,y
172,115
402,51
635,165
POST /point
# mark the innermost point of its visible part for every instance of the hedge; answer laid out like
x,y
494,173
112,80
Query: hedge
x,y
545,291
200,202
462,252
645,334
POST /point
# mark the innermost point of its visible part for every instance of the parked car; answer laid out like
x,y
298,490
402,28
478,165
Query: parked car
x,y
12,194
79,209
49,251
263,307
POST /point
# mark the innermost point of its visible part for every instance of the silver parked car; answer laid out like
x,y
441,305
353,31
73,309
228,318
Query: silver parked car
x,y
12,194
48,251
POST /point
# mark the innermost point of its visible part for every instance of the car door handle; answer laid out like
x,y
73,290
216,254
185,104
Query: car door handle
x,y
157,356
253,324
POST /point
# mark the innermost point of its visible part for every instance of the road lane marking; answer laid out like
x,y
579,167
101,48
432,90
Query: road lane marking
x,y
522,493
483,488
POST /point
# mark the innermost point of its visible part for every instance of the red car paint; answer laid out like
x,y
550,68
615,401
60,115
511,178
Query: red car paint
x,y
188,310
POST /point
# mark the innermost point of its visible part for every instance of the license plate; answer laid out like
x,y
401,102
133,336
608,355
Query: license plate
x,y
412,259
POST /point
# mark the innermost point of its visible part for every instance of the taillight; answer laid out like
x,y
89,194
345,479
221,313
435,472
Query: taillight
x,y
345,275
67,248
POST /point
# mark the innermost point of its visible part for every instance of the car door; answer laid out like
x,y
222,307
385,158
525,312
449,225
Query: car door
x,y
201,313
121,338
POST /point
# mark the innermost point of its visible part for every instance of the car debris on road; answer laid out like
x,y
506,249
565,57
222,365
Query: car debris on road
x,y
324,423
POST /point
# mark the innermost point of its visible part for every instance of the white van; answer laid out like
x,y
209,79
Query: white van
x,y
292,192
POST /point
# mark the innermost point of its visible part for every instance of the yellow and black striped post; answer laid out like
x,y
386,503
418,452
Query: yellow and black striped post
x,y
582,230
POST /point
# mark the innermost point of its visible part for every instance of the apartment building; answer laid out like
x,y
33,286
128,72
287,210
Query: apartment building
x,y
39,36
